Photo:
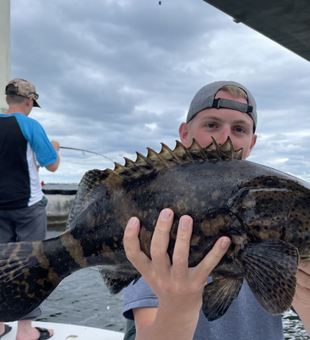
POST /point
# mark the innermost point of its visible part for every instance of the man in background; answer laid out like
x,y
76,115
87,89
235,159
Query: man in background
x,y
24,147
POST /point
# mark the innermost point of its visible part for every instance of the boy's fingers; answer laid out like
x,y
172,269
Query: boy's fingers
x,y
213,258
160,242
132,246
303,279
182,245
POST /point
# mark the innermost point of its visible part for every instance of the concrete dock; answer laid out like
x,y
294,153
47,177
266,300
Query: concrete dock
x,y
60,199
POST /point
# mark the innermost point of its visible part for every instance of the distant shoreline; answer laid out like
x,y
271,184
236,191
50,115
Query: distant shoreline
x,y
60,188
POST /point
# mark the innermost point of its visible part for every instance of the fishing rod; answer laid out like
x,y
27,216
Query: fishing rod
x,y
95,153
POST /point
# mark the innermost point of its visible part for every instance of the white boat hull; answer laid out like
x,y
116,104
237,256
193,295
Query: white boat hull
x,y
70,332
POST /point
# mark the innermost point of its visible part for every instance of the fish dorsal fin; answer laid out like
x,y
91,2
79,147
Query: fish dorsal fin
x,y
197,152
158,160
165,159
213,151
169,155
225,151
182,153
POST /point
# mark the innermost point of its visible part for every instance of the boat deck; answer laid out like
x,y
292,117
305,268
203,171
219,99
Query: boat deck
x,y
67,332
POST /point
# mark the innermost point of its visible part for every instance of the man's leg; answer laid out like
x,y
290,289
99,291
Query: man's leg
x,y
4,329
25,331
7,227
7,234
31,226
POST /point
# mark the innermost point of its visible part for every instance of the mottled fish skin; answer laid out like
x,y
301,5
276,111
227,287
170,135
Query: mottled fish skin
x,y
265,212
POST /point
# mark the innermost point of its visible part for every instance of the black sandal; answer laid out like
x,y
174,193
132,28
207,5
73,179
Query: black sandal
x,y
7,329
44,333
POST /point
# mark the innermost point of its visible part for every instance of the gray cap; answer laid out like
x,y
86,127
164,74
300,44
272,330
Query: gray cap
x,y
22,88
204,99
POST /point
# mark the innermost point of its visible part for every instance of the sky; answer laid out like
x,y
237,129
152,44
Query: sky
x,y
117,76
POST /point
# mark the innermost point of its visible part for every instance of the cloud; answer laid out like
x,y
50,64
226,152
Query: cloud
x,y
115,77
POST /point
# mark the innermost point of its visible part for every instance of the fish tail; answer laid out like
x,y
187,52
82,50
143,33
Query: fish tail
x,y
270,270
27,277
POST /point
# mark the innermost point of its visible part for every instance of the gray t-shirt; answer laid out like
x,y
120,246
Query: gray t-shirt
x,y
244,320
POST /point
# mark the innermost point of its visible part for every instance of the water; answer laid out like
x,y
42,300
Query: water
x,y
83,299
293,328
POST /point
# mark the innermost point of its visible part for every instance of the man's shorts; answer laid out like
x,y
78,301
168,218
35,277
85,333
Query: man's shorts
x,y
25,224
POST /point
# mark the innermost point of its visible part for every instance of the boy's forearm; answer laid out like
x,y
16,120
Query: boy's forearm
x,y
301,301
170,326
304,314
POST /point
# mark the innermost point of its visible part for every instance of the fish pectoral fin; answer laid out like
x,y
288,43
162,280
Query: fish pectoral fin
x,y
119,277
270,270
218,296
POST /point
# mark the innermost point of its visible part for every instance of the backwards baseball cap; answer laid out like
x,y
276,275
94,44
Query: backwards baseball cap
x,y
204,99
22,88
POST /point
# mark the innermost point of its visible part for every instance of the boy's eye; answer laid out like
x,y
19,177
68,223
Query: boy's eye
x,y
239,129
210,125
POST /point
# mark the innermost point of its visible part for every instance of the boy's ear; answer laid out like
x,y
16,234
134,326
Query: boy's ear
x,y
186,139
28,101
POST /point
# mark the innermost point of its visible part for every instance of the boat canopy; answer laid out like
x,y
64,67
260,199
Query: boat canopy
x,y
287,22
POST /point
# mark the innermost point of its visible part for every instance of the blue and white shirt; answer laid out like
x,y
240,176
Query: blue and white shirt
x,y
23,143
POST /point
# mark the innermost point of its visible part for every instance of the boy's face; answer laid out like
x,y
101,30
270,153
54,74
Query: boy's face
x,y
219,124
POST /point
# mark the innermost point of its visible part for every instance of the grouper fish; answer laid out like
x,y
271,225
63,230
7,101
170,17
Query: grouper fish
x,y
265,212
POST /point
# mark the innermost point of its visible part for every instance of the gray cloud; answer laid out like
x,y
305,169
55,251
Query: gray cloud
x,y
117,76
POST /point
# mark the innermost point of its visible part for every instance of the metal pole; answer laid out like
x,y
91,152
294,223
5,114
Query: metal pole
x,y
5,50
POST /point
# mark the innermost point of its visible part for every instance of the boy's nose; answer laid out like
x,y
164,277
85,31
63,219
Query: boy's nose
x,y
223,135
